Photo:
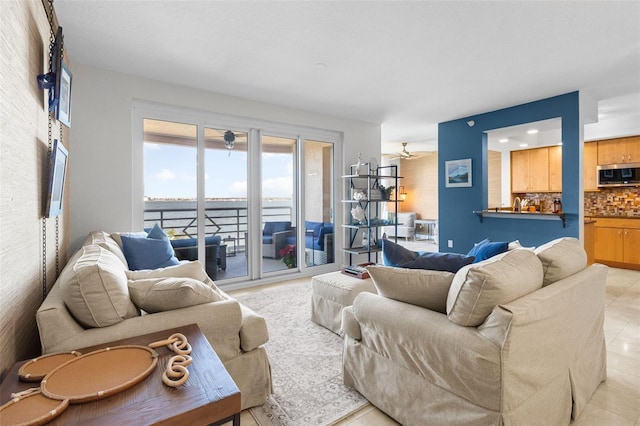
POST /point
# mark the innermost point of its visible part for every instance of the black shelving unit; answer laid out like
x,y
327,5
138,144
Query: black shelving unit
x,y
367,181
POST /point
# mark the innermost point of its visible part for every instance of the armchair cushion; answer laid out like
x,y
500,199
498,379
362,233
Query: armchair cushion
x,y
425,288
165,294
95,288
560,258
193,242
273,227
486,249
477,288
151,252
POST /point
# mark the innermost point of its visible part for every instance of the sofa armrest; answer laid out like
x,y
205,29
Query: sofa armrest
x,y
220,322
253,332
350,325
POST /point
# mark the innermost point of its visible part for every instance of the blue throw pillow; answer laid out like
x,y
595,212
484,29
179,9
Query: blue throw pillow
x,y
394,254
154,251
450,262
486,249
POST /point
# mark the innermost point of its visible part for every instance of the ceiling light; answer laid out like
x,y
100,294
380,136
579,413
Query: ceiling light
x,y
532,131
504,140
524,145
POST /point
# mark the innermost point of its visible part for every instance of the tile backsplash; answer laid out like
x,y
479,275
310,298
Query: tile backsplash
x,y
613,202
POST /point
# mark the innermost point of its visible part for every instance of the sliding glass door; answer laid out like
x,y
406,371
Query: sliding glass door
x,y
279,201
319,248
246,198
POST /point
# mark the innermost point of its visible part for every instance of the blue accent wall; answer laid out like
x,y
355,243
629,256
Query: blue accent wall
x,y
457,140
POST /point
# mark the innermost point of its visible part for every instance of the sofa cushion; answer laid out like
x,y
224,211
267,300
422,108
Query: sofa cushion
x,y
313,226
95,289
105,241
425,288
165,294
451,262
273,227
477,288
486,249
151,252
211,240
560,258
394,254
186,269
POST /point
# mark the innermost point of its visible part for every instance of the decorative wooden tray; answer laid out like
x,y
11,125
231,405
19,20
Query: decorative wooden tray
x,y
33,409
99,374
37,368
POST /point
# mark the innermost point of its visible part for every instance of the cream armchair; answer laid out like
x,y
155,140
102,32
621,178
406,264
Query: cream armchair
x,y
406,226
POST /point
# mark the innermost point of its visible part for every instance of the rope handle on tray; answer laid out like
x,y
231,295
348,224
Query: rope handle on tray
x,y
176,372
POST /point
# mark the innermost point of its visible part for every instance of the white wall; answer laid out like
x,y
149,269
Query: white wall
x,y
101,164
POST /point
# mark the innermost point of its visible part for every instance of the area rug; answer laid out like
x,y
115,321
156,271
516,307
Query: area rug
x,y
306,362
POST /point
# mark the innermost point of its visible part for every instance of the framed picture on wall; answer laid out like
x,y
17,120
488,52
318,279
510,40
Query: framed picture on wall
x,y
64,101
458,173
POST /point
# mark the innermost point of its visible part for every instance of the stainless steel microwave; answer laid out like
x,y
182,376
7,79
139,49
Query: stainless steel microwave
x,y
619,175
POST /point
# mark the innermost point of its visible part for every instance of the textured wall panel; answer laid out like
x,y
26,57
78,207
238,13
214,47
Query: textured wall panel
x,y
24,43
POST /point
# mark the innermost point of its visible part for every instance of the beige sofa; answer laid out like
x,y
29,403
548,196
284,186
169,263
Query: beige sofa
x,y
91,303
516,339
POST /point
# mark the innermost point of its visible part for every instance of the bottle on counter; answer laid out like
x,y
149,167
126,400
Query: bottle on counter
x,y
557,206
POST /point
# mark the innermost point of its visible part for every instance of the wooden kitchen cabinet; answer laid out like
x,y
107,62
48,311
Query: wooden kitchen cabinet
x,y
619,150
617,242
519,171
531,170
608,244
555,168
631,246
539,169
590,164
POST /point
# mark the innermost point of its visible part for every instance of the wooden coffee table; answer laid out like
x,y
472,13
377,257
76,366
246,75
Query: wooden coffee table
x,y
209,397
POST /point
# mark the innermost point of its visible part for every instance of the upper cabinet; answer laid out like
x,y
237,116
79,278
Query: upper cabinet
x,y
555,168
590,163
620,150
536,170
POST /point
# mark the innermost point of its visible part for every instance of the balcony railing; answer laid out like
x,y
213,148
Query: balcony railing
x,y
223,221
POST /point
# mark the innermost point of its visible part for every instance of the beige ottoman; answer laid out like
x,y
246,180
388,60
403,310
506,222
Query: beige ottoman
x,y
332,292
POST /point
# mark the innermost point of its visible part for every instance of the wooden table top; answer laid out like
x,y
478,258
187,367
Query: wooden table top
x,y
208,396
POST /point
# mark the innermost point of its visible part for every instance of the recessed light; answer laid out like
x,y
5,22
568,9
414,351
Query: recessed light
x,y
532,131
524,145
504,140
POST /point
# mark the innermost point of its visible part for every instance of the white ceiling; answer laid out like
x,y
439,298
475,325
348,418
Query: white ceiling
x,y
406,64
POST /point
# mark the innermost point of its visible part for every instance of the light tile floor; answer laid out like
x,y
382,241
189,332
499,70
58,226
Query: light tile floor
x,y
617,401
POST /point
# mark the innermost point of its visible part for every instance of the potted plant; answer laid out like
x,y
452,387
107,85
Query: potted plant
x,y
386,191
289,257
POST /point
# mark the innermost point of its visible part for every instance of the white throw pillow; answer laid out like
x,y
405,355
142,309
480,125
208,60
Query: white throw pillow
x,y
420,287
560,258
478,288
165,294
95,288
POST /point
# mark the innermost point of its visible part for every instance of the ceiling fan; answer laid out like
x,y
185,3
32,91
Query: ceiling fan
x,y
404,154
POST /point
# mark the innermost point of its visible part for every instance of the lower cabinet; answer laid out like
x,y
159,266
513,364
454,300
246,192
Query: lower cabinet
x,y
617,242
